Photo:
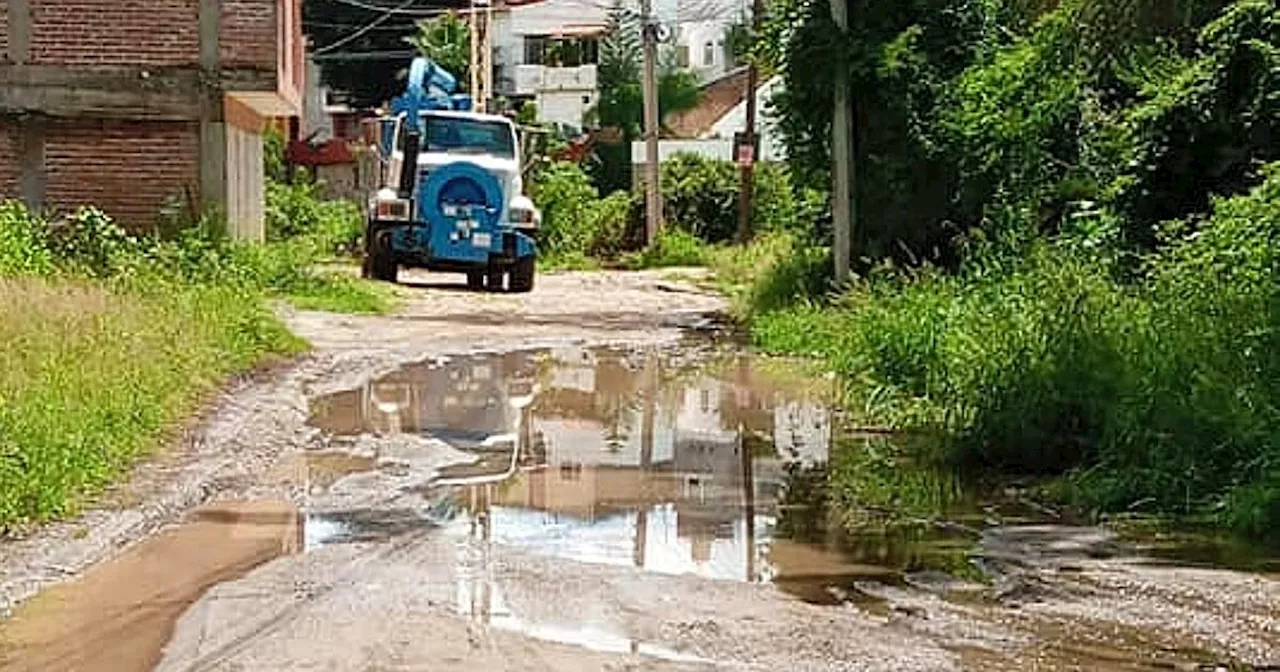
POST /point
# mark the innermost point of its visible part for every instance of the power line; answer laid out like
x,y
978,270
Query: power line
x,y
391,10
351,56
353,36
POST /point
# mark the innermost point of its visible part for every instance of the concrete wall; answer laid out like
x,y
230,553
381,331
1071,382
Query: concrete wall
x,y
245,184
566,107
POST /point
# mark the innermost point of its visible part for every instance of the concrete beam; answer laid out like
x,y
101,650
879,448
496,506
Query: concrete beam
x,y
19,31
113,93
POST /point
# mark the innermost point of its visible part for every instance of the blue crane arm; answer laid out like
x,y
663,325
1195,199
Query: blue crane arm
x,y
430,87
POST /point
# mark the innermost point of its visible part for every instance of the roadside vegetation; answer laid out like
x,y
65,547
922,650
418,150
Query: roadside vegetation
x,y
109,341
1069,261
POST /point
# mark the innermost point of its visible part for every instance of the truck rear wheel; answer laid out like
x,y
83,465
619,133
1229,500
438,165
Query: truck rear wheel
x,y
382,263
475,280
522,275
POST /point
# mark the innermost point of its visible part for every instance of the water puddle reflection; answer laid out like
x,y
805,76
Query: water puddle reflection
x,y
618,457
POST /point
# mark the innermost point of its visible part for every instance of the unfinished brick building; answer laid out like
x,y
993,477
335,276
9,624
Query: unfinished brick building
x,y
136,105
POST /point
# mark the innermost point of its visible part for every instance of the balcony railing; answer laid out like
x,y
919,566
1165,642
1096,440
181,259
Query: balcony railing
x,y
532,79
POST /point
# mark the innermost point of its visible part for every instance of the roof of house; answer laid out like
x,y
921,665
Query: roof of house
x,y
719,97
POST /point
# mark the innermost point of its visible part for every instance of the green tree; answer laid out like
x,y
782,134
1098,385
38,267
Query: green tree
x,y
446,40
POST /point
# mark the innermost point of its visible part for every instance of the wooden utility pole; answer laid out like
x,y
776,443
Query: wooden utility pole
x,y
652,187
747,157
479,22
843,207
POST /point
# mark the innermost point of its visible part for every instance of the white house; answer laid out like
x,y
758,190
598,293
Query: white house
x,y
547,51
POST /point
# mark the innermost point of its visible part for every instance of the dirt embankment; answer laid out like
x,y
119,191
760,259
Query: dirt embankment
x,y
409,589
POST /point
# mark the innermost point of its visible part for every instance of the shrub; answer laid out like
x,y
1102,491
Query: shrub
x,y
298,211
700,195
23,250
576,222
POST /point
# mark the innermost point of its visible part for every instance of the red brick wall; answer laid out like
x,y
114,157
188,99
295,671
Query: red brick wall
x,y
8,160
4,31
128,169
115,32
249,34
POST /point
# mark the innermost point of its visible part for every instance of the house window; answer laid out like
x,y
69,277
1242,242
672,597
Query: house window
x,y
709,54
534,49
682,56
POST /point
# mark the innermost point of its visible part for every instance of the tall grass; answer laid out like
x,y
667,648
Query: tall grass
x,y
1161,394
108,341
91,377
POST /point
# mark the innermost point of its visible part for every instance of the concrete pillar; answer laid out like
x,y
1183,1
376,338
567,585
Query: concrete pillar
x,y
213,129
19,31
31,175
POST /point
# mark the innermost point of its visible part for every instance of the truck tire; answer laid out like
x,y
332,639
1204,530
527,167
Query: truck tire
x,y
382,263
522,275
494,278
475,280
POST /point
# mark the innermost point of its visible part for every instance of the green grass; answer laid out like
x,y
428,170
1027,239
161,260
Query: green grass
x,y
109,342
673,247
341,294
1159,395
91,377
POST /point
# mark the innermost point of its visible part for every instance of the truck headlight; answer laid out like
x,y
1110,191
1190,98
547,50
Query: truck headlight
x,y
523,214
388,206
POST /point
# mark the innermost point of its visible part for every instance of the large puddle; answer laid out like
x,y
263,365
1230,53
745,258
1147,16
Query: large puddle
x,y
713,466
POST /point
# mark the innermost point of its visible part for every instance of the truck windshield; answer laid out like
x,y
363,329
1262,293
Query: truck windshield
x,y
460,135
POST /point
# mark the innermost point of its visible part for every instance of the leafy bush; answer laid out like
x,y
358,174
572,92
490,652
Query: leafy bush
x,y
298,210
22,248
700,195
576,222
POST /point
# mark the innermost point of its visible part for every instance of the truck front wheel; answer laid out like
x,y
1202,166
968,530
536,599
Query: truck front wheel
x,y
382,262
522,275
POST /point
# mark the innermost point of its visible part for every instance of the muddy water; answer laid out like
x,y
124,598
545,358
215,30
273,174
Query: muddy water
x,y
120,614
675,463
616,457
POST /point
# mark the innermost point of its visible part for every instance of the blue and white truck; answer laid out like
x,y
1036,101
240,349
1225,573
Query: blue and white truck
x,y
452,198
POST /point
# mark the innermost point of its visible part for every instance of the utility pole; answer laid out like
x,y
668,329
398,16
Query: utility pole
x,y
747,156
843,169
652,188
480,18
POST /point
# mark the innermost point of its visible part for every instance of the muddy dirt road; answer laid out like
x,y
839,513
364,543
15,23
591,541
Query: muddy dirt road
x,y
584,478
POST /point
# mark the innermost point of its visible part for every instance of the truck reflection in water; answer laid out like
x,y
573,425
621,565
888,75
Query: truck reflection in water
x,y
610,456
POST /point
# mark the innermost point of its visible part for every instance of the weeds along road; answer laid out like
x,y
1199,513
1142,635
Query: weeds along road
x,y
441,489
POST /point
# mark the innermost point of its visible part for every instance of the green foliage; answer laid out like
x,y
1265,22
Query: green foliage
x,y
446,39
673,247
91,377
273,155
298,211
776,270
577,224
700,195
1163,394
621,103
22,251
